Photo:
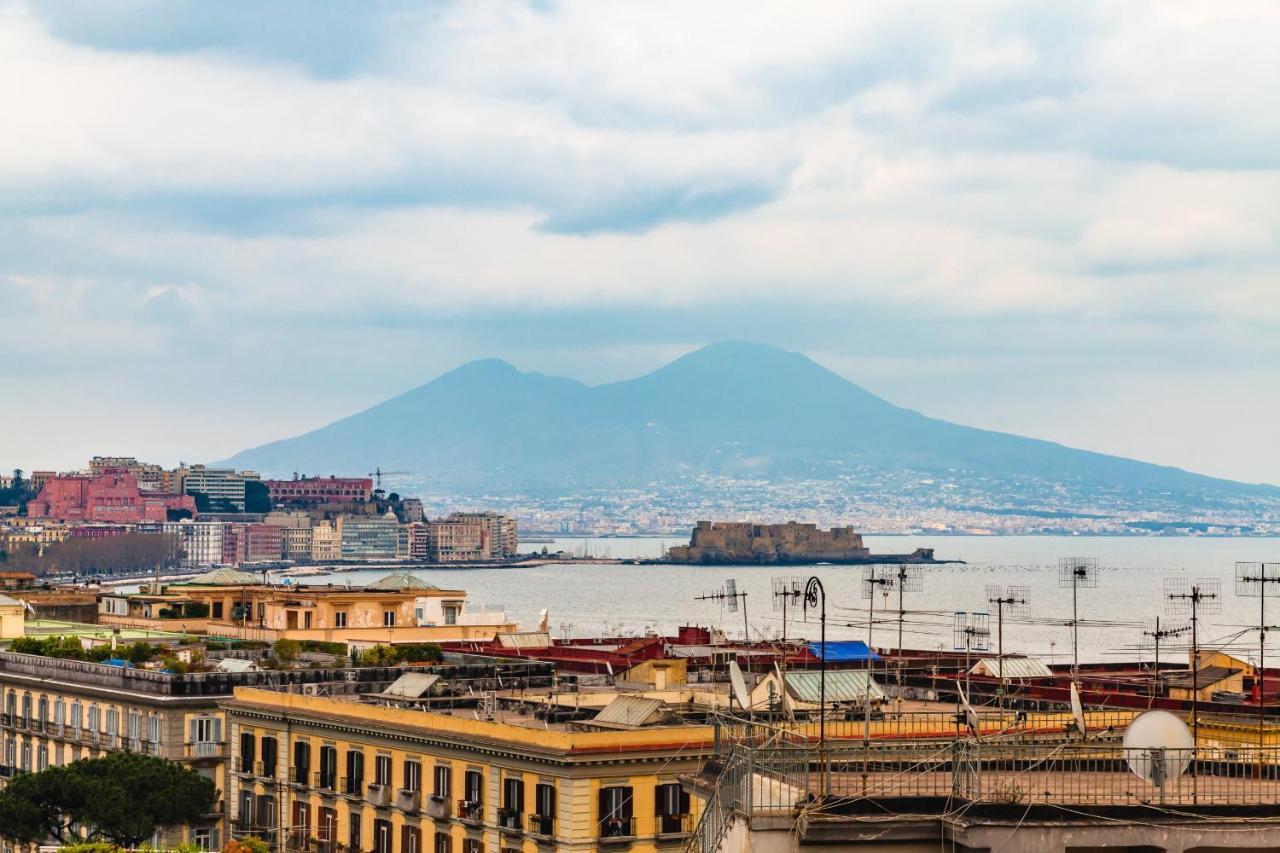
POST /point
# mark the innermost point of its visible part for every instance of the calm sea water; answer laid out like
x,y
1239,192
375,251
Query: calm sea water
x,y
591,598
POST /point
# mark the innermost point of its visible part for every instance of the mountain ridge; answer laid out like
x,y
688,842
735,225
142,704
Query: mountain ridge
x,y
734,408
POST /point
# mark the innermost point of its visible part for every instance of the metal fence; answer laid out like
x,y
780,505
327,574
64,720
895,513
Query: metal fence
x,y
782,779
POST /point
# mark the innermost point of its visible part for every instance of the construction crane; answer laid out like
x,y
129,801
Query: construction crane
x,y
377,474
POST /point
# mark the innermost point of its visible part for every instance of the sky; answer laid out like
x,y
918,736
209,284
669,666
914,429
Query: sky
x,y
226,223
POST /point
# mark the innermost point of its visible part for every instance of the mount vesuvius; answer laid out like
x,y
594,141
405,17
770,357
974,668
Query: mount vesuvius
x,y
742,410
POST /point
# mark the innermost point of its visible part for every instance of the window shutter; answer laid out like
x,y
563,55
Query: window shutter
x,y
191,730
217,730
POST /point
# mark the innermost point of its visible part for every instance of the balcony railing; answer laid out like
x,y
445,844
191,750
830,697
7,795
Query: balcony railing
x,y
471,811
675,824
510,821
542,825
617,829
325,781
205,749
351,786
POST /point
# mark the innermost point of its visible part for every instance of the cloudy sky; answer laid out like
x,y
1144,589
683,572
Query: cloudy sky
x,y
222,224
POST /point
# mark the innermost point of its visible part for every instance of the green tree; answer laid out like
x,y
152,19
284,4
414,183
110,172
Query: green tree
x,y
123,798
286,650
256,496
379,655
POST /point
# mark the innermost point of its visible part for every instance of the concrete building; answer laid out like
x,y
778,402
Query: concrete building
x,y
148,475
222,485
369,537
326,542
454,540
403,780
500,540
199,541
56,711
113,497
308,491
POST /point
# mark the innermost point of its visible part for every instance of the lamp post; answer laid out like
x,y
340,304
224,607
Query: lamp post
x,y
815,595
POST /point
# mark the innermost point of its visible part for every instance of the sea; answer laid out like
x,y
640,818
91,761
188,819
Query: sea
x,y
1131,589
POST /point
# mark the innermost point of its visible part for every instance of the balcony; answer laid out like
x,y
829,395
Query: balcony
x,y
674,826
6,720
437,807
264,769
379,795
617,830
542,825
510,822
351,786
408,800
204,750
471,811
325,783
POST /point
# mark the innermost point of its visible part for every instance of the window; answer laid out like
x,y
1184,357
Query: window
x,y
202,838
382,770
42,757
340,619
409,842
388,618
381,836
301,762
444,843
472,845
26,709
265,810
217,610
269,757
248,751
353,832
77,717
472,805
328,767
355,772
412,776
544,809
153,733
60,713
24,762
42,712
442,785
615,812
244,820
512,803
300,826
671,804
95,718
327,825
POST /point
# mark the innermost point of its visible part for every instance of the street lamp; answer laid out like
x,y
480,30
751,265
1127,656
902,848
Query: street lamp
x,y
815,595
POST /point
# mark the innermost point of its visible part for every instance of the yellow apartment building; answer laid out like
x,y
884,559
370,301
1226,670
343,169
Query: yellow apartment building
x,y
326,773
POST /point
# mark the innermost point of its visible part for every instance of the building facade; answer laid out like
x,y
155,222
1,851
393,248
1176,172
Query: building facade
x,y
307,491
113,497
369,537
312,772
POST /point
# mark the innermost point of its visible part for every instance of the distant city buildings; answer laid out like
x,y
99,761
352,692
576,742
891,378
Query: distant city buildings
x,y
110,496
308,491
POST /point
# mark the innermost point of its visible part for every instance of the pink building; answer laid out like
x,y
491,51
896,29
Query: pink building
x,y
112,497
319,490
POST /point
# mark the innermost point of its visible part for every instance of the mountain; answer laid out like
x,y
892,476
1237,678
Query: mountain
x,y
743,410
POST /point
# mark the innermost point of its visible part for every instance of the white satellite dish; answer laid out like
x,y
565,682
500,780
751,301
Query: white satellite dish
x,y
739,685
1077,710
970,715
1157,746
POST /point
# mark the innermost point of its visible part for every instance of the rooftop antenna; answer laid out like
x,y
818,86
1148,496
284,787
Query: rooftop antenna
x,y
873,580
786,589
1259,580
972,632
729,595
910,578
1183,596
1015,600
1077,573
1158,633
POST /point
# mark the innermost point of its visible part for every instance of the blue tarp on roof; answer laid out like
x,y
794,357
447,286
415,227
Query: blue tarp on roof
x,y
844,650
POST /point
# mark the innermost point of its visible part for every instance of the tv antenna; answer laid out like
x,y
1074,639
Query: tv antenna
x,y
786,590
1259,580
729,595
1077,573
1157,634
908,578
873,580
1183,596
973,634
1014,599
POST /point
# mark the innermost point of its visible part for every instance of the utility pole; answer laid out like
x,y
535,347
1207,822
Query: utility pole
x,y
1157,634
1015,599
1199,596
1077,573
1258,580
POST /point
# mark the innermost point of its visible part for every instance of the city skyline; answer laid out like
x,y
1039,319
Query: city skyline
x,y
228,225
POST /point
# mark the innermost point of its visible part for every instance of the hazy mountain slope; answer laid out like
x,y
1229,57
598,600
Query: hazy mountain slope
x,y
733,408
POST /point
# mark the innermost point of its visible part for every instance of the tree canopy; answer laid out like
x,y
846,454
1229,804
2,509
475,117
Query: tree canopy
x,y
123,798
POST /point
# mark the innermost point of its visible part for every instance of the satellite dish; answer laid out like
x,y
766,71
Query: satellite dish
x,y
1148,735
1077,710
970,715
739,685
